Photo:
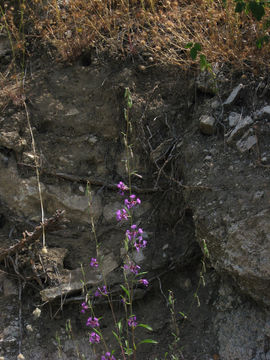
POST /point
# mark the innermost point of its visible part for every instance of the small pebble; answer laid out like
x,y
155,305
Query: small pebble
x,y
37,313
29,328
141,67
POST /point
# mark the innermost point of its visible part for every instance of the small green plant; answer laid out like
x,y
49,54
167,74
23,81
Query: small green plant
x,y
202,272
59,346
257,8
174,346
195,48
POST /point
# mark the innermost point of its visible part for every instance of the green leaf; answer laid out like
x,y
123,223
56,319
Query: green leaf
x,y
184,315
129,103
176,338
117,337
197,46
125,114
194,51
145,326
148,341
128,98
204,64
189,45
141,273
128,351
125,290
119,325
257,9
240,6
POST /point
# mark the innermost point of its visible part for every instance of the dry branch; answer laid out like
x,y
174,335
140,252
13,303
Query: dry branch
x,y
90,180
28,238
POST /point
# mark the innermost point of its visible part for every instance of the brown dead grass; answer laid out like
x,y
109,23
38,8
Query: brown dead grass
x,y
157,29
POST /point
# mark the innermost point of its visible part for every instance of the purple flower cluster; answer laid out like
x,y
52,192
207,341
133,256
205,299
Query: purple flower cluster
x,y
135,236
132,268
122,188
94,338
92,322
121,215
133,201
94,263
107,356
101,291
132,321
144,282
84,307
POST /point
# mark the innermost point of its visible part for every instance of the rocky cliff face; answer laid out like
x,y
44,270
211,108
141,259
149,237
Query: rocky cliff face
x,y
202,152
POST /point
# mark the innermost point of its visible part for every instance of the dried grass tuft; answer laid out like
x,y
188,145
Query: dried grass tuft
x,y
133,27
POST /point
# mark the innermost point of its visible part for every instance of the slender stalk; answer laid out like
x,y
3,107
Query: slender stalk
x,y
37,175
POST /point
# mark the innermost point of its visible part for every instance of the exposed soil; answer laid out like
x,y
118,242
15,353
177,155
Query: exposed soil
x,y
76,113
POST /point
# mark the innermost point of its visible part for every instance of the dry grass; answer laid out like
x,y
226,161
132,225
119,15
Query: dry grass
x,y
125,28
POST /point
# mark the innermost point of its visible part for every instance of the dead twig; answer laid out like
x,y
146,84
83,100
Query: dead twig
x,y
92,181
28,238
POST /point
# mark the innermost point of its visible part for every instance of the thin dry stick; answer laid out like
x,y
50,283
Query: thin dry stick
x,y
37,175
28,238
85,180
20,315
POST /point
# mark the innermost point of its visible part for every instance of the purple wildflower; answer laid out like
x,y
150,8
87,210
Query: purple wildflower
x,y
140,243
121,215
132,321
107,356
132,202
94,263
94,338
93,322
122,188
132,268
101,291
144,282
134,233
84,307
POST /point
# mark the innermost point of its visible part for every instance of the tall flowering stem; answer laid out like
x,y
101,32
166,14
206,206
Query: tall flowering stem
x,y
128,100
129,203
95,263
134,239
